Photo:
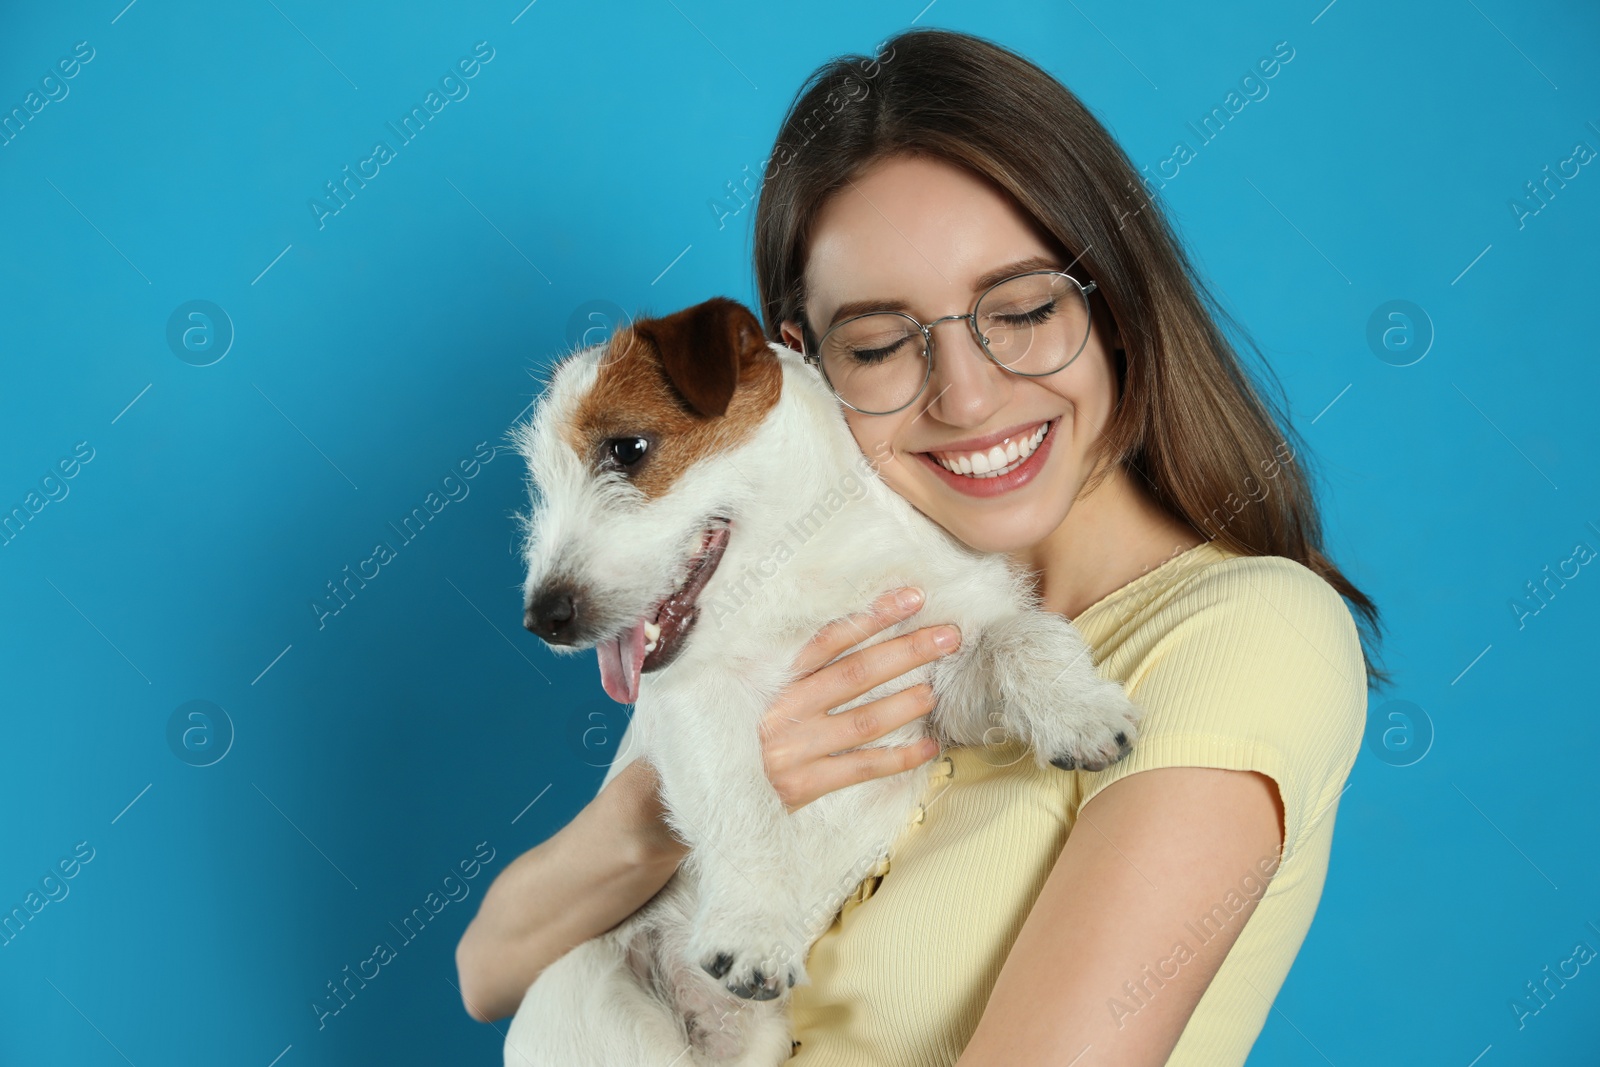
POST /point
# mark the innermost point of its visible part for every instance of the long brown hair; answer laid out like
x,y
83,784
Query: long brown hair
x,y
1189,421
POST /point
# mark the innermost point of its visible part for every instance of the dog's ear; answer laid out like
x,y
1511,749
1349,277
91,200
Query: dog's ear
x,y
704,348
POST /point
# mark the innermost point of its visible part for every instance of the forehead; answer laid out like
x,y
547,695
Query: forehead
x,y
916,229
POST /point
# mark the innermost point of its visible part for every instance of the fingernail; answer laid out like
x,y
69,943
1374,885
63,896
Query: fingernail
x,y
946,637
909,598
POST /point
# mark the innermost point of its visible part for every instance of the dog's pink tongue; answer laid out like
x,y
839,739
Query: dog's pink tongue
x,y
620,660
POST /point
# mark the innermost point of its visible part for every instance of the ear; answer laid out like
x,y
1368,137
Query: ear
x,y
704,348
791,335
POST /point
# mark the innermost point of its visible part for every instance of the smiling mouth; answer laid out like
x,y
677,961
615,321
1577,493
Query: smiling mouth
x,y
654,639
997,462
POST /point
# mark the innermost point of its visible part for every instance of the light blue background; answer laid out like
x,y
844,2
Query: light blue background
x,y
373,754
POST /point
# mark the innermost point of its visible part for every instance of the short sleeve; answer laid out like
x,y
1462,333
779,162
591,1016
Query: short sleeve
x,y
1254,663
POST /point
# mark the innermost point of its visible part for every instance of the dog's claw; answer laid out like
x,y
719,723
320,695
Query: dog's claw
x,y
760,987
1070,762
756,984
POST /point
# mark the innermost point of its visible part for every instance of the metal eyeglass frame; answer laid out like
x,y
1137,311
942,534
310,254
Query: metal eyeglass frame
x,y
927,340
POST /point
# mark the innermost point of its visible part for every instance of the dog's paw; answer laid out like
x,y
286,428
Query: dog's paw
x,y
757,966
1095,733
746,973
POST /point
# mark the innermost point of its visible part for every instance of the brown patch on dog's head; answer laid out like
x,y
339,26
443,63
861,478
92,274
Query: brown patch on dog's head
x,y
689,384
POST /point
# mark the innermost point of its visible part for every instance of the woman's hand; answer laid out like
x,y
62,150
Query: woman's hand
x,y
798,733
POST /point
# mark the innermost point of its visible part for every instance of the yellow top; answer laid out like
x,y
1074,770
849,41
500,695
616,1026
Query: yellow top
x,y
1240,662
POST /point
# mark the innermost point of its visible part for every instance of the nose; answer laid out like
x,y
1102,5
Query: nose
x,y
552,614
965,385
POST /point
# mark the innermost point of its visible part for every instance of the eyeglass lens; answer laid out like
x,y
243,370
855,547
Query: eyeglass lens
x,y
1032,324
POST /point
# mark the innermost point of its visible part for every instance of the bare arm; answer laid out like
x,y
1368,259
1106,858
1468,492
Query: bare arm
x,y
593,873
1155,849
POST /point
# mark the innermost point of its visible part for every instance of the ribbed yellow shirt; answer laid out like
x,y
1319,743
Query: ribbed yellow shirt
x,y
1240,662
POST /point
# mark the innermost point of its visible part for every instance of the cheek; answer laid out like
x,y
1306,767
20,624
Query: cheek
x,y
1089,397
876,442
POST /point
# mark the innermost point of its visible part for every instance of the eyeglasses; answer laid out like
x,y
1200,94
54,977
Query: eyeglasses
x,y
1030,324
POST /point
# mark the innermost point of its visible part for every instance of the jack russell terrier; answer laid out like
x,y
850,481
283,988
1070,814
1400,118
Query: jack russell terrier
x,y
701,510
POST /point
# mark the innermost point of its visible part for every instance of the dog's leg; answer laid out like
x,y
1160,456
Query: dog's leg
x,y
1030,676
590,1009
749,929
1053,698
721,1028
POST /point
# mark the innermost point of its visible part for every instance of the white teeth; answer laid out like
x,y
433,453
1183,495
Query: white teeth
x,y
651,633
995,461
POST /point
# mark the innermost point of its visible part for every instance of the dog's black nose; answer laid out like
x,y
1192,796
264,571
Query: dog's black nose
x,y
552,614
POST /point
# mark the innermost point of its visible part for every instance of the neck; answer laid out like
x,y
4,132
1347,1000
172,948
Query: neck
x,y
1108,538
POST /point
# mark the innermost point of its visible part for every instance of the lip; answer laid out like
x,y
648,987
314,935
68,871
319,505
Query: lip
x,y
678,612
1005,483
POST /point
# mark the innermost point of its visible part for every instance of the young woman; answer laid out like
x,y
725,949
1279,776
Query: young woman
x,y
971,262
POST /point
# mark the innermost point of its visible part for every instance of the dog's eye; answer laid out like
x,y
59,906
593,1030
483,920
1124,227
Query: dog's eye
x,y
625,451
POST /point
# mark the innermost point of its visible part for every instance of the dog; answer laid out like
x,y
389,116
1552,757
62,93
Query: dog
x,y
701,510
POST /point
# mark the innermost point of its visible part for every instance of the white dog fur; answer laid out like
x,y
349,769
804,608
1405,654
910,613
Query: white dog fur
x,y
759,884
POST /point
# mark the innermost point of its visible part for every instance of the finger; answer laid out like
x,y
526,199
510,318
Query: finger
x,y
865,764
871,721
842,634
858,672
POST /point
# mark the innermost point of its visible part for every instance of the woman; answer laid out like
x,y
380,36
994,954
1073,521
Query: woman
x,y
1163,511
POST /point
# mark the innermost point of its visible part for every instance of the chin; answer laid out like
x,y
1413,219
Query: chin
x,y
993,529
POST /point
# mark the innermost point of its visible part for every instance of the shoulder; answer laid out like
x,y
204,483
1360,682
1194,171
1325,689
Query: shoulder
x,y
1210,608
1246,662
1274,600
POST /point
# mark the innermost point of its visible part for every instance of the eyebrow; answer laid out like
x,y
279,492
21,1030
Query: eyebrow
x,y
999,274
